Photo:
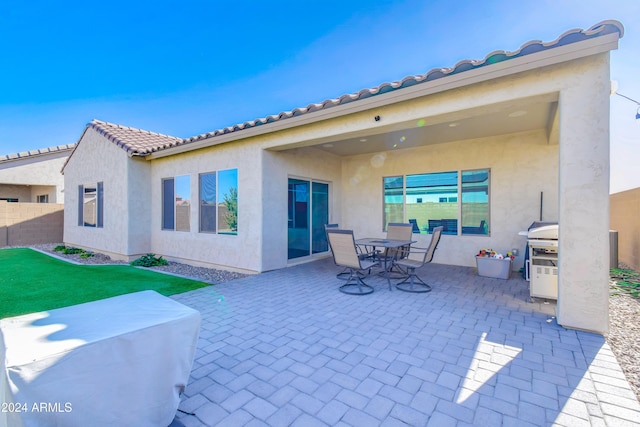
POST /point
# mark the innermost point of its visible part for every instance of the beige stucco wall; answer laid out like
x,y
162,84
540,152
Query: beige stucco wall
x,y
96,159
522,166
35,175
304,163
13,191
139,207
581,87
583,211
625,219
241,251
568,163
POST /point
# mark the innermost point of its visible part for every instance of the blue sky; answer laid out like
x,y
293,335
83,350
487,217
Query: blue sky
x,y
189,67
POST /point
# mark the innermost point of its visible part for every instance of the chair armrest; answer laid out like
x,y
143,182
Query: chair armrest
x,y
365,248
416,250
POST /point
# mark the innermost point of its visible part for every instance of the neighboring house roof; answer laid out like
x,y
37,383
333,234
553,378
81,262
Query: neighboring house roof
x,y
34,153
138,142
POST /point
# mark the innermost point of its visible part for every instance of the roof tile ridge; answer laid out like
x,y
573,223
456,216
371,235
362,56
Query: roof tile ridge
x,y
600,26
36,152
99,126
133,129
529,47
104,129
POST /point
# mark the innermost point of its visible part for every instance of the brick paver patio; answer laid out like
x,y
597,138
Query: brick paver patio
x,y
285,348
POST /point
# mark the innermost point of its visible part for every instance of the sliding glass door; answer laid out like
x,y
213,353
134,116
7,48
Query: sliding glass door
x,y
308,212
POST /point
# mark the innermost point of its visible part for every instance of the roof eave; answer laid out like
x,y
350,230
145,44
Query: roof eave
x,y
544,58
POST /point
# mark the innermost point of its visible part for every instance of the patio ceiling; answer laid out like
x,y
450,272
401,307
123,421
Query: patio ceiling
x,y
486,121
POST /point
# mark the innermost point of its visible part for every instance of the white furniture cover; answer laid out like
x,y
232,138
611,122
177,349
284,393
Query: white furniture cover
x,y
120,361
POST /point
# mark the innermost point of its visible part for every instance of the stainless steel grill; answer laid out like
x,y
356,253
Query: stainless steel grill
x,y
542,265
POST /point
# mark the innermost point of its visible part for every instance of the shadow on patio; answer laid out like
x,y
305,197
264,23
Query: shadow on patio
x,y
287,348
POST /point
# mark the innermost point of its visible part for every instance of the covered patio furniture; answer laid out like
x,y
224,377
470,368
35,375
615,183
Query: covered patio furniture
x,y
413,283
120,361
345,254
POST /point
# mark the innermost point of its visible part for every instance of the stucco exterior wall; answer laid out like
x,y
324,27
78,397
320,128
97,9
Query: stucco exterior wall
x,y
241,251
139,201
567,161
522,166
52,192
13,191
581,87
40,174
625,211
261,242
583,211
304,163
98,160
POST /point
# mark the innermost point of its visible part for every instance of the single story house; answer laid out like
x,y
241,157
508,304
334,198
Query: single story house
x,y
34,176
485,147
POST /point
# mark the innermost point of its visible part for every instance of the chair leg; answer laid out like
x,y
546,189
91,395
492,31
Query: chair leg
x,y
413,283
355,285
346,274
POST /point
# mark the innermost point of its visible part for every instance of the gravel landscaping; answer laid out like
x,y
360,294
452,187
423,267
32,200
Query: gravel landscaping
x,y
208,275
624,309
624,334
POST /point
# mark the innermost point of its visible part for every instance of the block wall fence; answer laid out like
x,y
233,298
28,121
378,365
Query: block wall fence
x,y
30,223
625,219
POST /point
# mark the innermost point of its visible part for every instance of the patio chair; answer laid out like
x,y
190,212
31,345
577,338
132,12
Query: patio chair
x,y
344,274
413,283
345,254
397,231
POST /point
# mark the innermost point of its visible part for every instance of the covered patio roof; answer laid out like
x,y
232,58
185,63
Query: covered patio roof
x,y
527,114
573,44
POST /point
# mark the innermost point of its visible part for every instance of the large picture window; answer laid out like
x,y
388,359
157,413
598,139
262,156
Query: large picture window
x,y
176,203
457,201
219,202
90,205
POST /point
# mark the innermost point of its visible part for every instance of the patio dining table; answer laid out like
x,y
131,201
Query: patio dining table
x,y
375,242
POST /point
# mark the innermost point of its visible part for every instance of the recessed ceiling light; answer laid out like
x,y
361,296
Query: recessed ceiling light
x,y
328,145
454,124
363,139
518,113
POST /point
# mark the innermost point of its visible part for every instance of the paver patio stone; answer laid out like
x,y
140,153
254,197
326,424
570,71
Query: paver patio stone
x,y
284,416
286,348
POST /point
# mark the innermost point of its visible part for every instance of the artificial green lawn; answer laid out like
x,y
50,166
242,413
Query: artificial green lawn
x,y
31,281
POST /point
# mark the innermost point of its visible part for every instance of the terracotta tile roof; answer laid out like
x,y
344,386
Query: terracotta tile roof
x,y
139,142
34,153
571,36
135,142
